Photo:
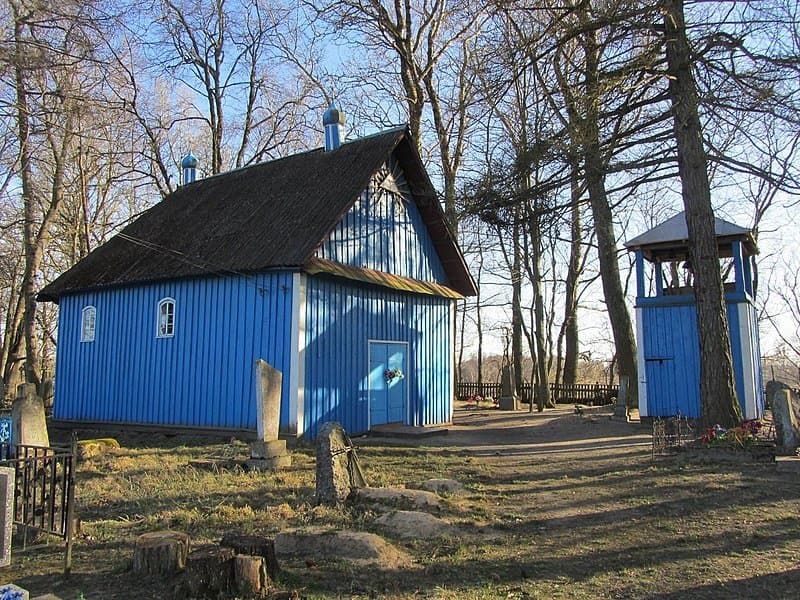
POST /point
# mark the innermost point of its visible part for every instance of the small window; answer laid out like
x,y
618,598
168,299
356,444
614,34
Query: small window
x,y
166,318
88,320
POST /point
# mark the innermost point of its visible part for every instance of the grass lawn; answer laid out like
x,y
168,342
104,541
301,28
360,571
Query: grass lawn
x,y
556,507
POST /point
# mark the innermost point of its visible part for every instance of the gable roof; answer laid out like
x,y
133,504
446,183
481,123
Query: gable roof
x,y
265,216
670,240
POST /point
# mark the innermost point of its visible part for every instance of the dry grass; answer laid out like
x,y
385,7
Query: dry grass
x,y
605,522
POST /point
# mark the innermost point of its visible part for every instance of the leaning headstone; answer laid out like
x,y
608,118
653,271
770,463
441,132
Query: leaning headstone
x,y
621,407
787,434
508,395
338,472
28,424
9,591
268,452
6,513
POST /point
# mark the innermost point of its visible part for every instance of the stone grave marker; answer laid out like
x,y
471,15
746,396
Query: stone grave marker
x,y
621,407
6,513
508,395
268,452
29,426
338,472
787,433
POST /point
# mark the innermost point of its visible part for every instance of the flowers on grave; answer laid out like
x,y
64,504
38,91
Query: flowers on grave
x,y
392,374
740,436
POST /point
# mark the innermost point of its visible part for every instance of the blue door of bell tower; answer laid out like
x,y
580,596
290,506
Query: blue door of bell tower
x,y
388,387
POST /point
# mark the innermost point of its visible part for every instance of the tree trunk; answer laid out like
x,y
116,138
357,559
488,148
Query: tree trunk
x,y
594,168
542,387
160,553
516,305
571,340
32,253
718,401
209,572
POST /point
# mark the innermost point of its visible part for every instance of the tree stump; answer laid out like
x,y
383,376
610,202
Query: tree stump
x,y
254,545
250,575
160,553
209,572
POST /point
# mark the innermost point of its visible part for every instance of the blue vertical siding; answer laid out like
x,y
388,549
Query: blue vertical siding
x,y
341,318
672,354
202,376
385,234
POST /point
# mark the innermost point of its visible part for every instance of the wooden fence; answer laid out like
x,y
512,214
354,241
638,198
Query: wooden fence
x,y
593,394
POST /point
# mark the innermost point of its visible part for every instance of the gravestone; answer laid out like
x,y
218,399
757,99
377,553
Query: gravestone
x,y
6,513
29,427
787,434
508,395
338,472
268,452
621,407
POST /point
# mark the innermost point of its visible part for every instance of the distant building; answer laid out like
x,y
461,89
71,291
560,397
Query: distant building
x,y
336,266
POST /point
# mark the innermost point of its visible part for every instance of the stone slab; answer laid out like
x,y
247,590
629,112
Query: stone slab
x,y
29,426
787,464
268,400
411,524
786,427
267,449
9,591
6,514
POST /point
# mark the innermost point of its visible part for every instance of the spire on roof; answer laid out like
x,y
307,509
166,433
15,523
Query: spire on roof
x,y
333,121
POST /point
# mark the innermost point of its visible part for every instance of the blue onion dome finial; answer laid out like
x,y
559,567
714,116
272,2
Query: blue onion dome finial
x,y
333,116
189,161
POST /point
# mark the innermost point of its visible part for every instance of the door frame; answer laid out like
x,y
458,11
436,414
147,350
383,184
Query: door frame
x,y
369,381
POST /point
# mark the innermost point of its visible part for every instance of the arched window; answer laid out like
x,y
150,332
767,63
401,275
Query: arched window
x,y
166,318
88,320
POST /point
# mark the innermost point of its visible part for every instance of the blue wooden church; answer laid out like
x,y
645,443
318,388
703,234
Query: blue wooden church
x,y
666,319
336,266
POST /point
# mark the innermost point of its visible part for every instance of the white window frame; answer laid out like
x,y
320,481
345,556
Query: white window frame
x,y
85,312
161,303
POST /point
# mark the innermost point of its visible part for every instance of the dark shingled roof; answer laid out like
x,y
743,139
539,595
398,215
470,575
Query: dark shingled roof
x,y
670,240
265,216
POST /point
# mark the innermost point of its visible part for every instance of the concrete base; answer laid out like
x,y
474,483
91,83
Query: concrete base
x,y
508,403
271,449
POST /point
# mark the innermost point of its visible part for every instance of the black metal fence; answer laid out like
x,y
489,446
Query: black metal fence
x,y
44,492
594,394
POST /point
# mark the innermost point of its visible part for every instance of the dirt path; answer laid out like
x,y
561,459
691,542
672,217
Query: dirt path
x,y
494,432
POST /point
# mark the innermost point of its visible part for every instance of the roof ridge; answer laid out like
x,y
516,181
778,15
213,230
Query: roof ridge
x,y
392,130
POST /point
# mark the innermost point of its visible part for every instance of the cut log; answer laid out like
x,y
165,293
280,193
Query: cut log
x,y
160,553
255,545
209,572
250,575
